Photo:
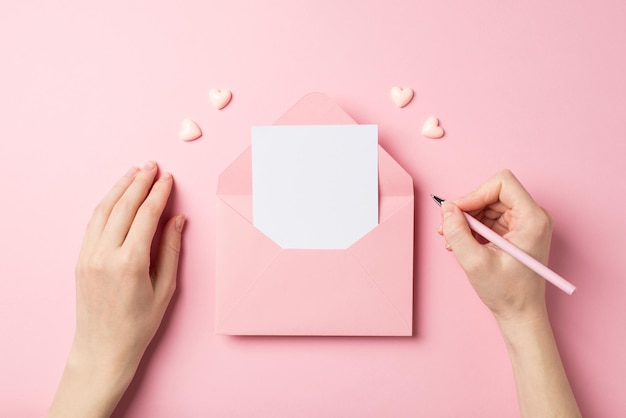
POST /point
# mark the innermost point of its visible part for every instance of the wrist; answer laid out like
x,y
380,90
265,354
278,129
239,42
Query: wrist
x,y
91,386
100,371
517,327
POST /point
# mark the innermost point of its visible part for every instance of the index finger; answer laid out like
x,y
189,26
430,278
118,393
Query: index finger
x,y
500,193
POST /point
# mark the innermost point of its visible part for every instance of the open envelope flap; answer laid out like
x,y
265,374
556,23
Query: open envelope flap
x,y
235,183
315,109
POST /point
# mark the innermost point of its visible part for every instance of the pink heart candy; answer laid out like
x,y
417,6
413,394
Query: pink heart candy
x,y
219,98
189,131
401,96
432,129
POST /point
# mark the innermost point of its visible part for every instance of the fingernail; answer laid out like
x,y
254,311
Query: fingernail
x,y
166,176
440,229
180,222
149,165
131,172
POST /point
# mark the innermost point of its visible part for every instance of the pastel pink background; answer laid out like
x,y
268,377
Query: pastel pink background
x,y
88,90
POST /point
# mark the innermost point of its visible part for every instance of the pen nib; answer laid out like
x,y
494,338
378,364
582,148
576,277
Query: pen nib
x,y
437,200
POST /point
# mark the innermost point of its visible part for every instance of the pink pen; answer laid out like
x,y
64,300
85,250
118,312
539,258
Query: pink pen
x,y
515,252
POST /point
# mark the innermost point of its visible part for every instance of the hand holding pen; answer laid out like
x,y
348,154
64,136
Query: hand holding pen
x,y
505,208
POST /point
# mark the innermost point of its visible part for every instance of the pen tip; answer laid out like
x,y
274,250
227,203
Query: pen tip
x,y
437,200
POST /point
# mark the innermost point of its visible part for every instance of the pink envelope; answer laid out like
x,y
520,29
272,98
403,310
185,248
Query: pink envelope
x,y
366,289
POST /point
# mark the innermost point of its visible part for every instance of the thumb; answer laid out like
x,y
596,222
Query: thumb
x,y
167,261
458,234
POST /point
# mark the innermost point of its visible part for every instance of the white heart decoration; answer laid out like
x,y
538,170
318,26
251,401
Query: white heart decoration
x,y
431,128
401,96
190,131
219,98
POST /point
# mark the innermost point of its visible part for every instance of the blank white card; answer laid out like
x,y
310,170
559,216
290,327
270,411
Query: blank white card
x,y
315,186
